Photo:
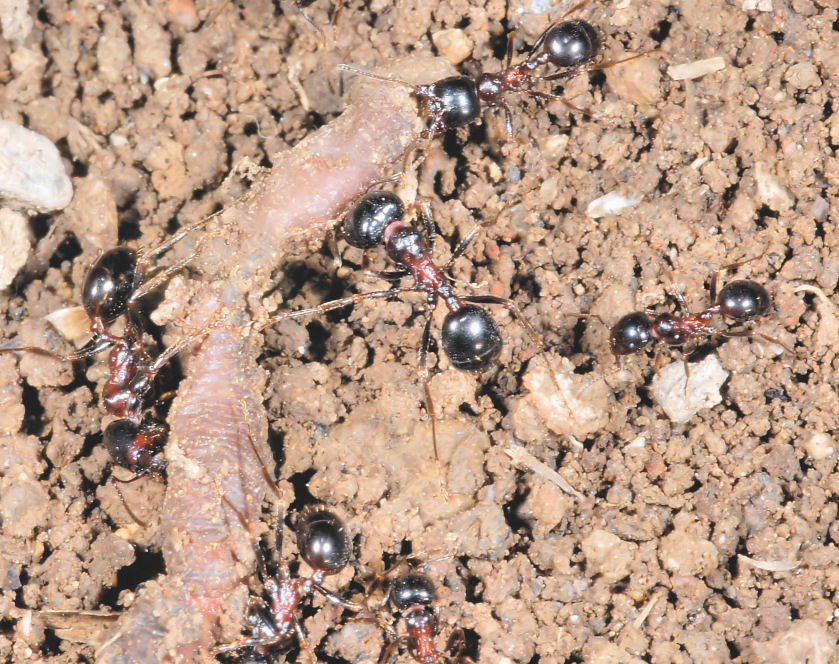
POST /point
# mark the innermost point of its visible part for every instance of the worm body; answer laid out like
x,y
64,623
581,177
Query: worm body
x,y
202,598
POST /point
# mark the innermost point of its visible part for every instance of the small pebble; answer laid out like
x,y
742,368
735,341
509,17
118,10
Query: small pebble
x,y
32,175
611,203
703,388
695,69
14,230
453,44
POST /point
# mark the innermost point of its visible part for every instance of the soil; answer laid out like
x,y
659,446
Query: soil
x,y
710,540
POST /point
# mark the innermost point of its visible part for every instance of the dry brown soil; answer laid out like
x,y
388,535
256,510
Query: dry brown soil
x,y
652,562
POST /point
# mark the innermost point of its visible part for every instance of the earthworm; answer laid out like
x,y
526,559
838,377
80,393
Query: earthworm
x,y
201,599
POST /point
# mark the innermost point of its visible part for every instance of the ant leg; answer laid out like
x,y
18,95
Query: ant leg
x,y
390,648
461,247
164,358
545,95
531,332
334,304
611,63
511,37
336,599
428,223
251,642
753,333
730,266
91,348
508,118
300,4
390,275
124,502
429,402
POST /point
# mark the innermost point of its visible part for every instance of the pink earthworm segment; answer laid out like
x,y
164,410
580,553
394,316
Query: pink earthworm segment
x,y
202,599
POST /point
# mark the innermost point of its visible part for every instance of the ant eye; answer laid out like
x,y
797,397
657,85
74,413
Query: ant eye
x,y
322,541
470,338
365,224
109,284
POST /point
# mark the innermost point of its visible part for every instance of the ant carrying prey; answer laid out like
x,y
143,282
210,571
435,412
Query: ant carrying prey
x,y
323,543
113,286
469,336
570,46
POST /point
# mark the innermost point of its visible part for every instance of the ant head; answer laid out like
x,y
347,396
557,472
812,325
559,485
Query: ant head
x,y
571,43
365,224
451,102
109,283
631,333
323,541
411,589
743,300
119,438
470,338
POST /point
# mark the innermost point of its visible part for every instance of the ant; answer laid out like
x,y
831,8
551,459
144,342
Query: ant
x,y
469,336
741,301
113,287
412,594
324,545
455,101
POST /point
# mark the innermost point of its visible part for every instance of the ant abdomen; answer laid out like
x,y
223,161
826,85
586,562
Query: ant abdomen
x,y
631,333
470,338
410,590
743,300
109,284
365,224
571,43
323,541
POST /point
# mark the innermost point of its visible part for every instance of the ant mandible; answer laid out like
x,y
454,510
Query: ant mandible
x,y
741,301
456,101
323,543
469,336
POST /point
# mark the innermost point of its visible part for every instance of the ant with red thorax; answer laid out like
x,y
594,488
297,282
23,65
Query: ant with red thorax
x,y
570,46
740,301
469,336
113,286
411,594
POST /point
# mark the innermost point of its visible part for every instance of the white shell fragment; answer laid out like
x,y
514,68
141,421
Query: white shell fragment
x,y
32,176
703,388
695,69
769,565
611,203
14,229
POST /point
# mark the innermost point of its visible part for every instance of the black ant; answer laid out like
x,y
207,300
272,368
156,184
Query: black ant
x,y
323,543
412,594
741,301
112,287
455,101
469,336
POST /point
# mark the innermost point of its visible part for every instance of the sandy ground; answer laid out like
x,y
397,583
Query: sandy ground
x,y
710,540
